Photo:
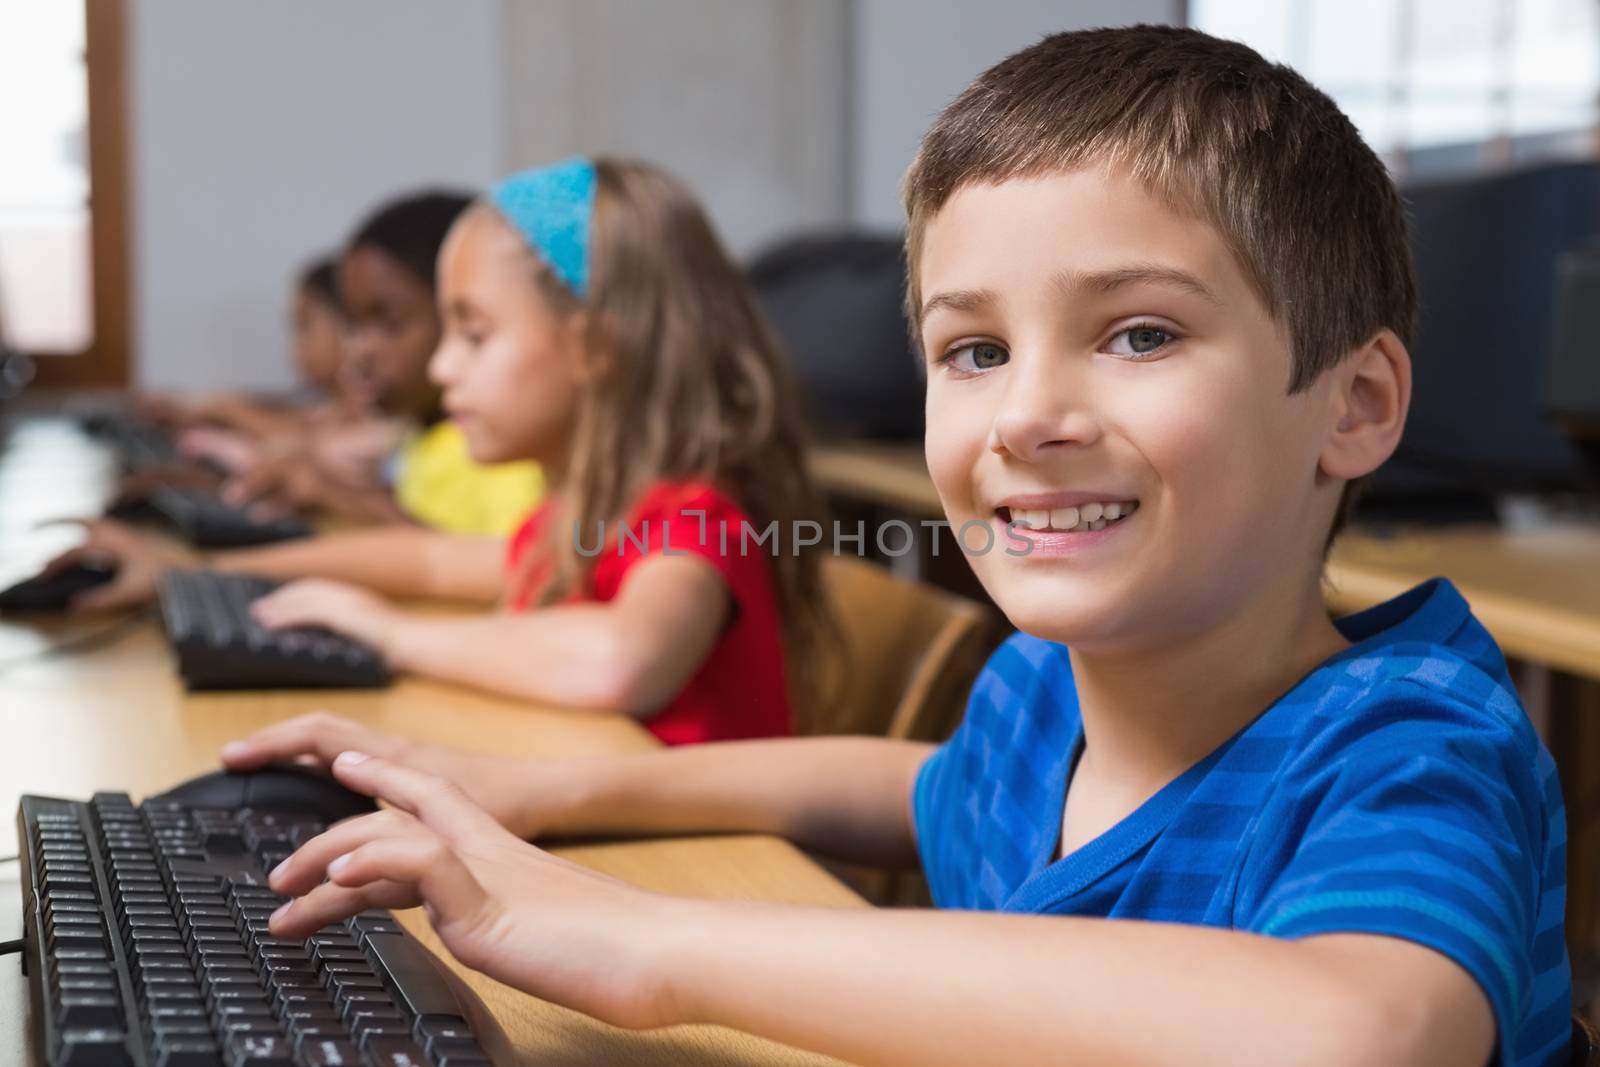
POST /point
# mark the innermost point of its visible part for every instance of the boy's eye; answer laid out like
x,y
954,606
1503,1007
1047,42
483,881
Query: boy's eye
x,y
1139,341
977,357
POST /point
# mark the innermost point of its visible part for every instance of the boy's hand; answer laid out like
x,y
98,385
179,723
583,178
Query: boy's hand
x,y
512,790
500,905
138,560
349,609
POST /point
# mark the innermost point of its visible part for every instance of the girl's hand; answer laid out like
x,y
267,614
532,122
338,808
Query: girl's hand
x,y
500,905
228,449
521,795
138,560
349,609
283,475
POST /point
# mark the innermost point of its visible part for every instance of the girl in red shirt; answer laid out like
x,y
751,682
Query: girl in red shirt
x,y
594,323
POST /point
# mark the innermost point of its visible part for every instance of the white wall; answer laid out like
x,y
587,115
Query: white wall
x,y
259,134
261,131
913,57
746,100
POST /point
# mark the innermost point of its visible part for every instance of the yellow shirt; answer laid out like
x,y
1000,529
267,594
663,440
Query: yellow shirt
x,y
439,485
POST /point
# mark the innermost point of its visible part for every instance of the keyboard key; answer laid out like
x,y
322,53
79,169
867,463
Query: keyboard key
x,y
89,983
259,1050
188,1052
395,1052
89,1011
327,1052
103,1049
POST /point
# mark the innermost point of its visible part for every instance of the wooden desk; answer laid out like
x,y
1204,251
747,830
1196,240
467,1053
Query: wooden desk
x,y
1537,591
116,718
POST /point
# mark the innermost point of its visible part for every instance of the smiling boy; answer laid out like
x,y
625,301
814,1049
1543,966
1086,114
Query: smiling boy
x,y
1162,281
1164,295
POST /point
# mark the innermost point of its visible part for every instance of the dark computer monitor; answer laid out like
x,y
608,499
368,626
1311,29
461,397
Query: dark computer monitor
x,y
1572,374
1486,252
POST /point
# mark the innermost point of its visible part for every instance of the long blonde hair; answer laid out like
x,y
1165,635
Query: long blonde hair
x,y
694,389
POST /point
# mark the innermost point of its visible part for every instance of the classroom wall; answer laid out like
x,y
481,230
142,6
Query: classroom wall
x,y
746,100
912,57
258,134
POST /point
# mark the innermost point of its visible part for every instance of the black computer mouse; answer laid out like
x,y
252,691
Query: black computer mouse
x,y
279,787
53,592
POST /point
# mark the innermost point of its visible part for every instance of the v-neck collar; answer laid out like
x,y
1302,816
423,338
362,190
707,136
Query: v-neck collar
x,y
1423,612
1051,880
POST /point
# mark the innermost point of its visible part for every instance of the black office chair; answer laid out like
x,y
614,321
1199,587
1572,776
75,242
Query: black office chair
x,y
835,301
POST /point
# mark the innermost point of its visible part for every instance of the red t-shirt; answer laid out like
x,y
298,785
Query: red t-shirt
x,y
741,690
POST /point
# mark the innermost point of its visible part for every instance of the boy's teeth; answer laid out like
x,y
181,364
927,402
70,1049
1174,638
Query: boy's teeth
x,y
1076,520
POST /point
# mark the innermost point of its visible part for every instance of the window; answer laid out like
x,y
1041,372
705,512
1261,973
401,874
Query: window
x,y
63,286
1438,85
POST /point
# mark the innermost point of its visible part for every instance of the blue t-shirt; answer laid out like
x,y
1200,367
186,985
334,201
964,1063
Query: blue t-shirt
x,y
1397,789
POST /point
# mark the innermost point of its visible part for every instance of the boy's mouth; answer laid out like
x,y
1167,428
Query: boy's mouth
x,y
1080,519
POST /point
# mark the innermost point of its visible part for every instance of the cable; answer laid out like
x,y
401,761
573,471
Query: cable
x,y
13,858
8,947
83,642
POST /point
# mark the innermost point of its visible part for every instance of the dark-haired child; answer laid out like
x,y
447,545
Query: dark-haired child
x,y
385,280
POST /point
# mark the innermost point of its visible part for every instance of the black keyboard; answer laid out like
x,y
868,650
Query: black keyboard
x,y
221,646
146,945
138,443
206,521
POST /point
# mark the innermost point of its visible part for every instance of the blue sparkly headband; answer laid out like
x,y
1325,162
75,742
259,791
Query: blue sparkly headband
x,y
552,207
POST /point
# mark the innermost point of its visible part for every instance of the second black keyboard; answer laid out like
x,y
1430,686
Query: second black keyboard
x,y
220,645
205,520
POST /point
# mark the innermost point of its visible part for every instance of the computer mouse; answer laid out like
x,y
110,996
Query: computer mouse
x,y
53,592
279,787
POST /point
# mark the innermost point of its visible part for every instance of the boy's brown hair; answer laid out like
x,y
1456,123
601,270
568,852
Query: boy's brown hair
x,y
1306,207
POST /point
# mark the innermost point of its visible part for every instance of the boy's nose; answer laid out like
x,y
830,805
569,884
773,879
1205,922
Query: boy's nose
x,y
1039,411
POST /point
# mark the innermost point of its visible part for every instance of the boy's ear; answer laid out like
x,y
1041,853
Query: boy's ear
x,y
1370,395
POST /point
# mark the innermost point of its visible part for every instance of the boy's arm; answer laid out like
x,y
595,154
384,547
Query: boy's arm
x,y
958,988
844,797
879,987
